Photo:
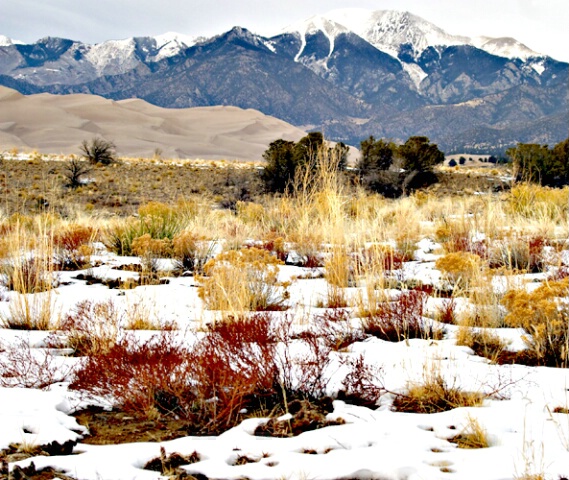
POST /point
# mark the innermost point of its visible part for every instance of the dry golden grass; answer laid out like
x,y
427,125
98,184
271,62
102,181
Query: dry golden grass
x,y
244,280
473,435
435,395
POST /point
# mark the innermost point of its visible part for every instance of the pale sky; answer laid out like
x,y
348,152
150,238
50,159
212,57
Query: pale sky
x,y
543,25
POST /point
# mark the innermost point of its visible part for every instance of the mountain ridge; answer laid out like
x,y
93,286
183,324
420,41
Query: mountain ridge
x,y
319,74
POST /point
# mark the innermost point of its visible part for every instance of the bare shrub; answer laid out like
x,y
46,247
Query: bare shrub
x,y
22,366
72,246
145,378
401,319
92,328
99,151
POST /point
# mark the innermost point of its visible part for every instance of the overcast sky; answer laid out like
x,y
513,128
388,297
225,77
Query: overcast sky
x,y
541,24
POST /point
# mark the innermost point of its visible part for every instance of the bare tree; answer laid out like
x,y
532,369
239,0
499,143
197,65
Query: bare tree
x,y
73,171
99,150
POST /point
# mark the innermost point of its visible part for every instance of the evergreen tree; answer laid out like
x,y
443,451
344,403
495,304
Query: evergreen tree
x,y
375,155
419,155
281,165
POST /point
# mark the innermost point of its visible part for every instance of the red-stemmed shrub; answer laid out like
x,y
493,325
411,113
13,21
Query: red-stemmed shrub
x,y
401,319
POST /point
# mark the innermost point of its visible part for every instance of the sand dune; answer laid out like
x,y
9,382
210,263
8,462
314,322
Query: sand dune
x,y
59,123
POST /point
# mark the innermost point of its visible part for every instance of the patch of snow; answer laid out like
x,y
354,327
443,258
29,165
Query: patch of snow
x,y
313,25
270,46
416,73
171,44
504,47
5,41
539,67
113,56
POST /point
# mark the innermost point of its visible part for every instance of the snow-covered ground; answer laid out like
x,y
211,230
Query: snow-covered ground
x,y
527,439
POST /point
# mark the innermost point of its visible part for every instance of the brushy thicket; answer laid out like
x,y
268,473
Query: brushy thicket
x,y
241,363
401,319
254,362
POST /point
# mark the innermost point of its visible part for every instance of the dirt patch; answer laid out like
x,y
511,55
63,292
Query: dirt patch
x,y
113,427
305,415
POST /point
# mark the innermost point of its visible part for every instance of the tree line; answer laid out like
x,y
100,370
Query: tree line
x,y
384,167
541,164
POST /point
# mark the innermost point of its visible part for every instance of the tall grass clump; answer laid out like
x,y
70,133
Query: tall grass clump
x,y
544,316
28,266
535,202
159,221
28,269
243,280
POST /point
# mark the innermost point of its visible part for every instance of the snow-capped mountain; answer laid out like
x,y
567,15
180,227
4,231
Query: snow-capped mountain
x,y
387,30
351,73
172,43
507,47
6,41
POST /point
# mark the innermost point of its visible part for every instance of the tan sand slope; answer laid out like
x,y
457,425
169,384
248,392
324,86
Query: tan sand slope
x,y
59,123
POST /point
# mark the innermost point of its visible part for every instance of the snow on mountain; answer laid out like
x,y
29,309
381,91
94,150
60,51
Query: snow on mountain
x,y
315,24
112,57
504,47
5,41
416,73
118,56
171,43
387,30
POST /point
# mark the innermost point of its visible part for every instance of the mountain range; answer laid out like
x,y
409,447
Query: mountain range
x,y
350,73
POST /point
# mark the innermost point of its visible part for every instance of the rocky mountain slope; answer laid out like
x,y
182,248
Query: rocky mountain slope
x,y
350,73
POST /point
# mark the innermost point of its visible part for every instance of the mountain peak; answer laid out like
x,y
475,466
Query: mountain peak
x,y
505,47
6,41
388,30
317,23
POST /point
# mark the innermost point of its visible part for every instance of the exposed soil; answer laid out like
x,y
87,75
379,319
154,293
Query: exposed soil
x,y
305,415
113,427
